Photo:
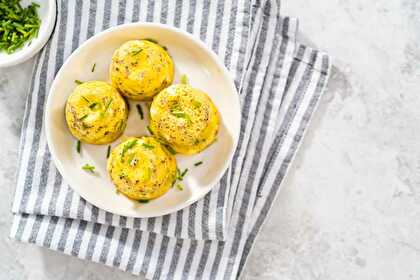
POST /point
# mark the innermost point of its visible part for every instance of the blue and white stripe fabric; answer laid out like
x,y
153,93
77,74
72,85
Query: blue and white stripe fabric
x,y
280,83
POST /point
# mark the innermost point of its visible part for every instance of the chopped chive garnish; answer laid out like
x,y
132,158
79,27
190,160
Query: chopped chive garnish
x,y
143,201
93,105
151,40
88,167
83,117
85,126
140,110
147,146
180,175
184,79
127,103
181,115
18,25
198,163
196,104
108,104
149,129
176,110
120,125
78,82
78,146
85,98
130,159
108,152
93,67
176,107
170,149
136,52
184,172
128,146
179,187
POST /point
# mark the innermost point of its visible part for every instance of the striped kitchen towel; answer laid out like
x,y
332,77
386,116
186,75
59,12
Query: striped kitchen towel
x,y
224,26
280,84
229,28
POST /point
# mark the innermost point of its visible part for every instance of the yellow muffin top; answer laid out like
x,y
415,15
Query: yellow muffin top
x,y
140,69
96,113
185,118
141,168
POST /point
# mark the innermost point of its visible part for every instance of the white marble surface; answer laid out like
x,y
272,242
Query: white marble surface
x,y
350,207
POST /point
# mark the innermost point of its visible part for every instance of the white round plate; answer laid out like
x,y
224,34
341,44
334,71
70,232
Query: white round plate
x,y
204,71
47,12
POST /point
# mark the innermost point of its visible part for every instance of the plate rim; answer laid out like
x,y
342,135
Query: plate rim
x,y
67,177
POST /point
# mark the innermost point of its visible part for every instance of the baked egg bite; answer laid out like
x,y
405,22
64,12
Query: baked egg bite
x,y
96,113
140,69
141,168
185,118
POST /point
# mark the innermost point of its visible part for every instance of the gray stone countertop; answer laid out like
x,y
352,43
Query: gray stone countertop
x,y
350,206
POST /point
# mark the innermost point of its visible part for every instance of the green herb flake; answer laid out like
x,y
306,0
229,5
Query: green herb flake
x,y
147,146
78,145
93,67
88,167
151,40
170,149
127,103
18,25
181,115
107,105
85,126
131,159
85,98
179,187
184,173
93,105
177,111
143,201
184,79
78,82
136,52
180,175
83,117
128,146
108,151
140,111
176,107
198,163
196,104
120,125
150,130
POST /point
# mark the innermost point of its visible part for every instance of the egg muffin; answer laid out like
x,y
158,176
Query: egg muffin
x,y
96,113
185,118
141,168
140,69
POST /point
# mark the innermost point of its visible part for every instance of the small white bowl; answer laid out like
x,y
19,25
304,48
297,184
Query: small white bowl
x,y
47,12
204,71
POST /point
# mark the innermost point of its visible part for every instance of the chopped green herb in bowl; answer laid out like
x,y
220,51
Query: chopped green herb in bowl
x,y
18,25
